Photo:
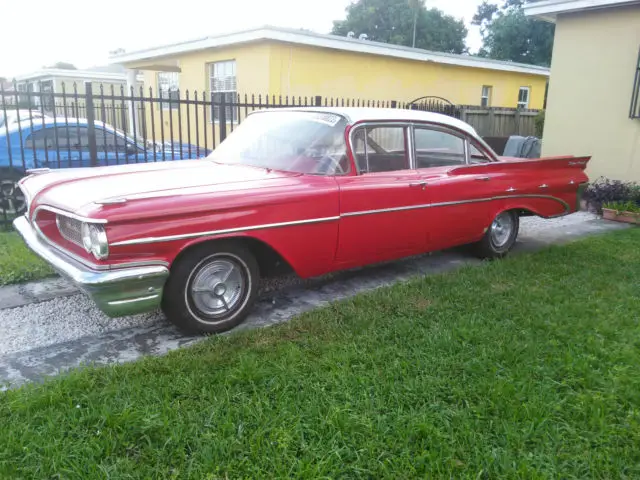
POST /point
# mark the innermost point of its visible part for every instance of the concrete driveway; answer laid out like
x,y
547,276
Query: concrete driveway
x,y
47,327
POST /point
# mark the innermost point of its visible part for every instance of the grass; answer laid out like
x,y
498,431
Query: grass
x,y
524,368
17,263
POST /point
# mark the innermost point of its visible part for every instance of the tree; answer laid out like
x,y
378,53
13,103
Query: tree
x,y
393,21
63,66
508,34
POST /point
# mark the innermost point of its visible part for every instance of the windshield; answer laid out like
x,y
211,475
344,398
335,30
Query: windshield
x,y
301,142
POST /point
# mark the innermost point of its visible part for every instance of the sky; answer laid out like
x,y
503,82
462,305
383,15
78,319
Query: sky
x,y
69,31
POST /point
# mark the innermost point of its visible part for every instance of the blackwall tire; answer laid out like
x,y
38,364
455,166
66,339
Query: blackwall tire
x,y
500,237
211,288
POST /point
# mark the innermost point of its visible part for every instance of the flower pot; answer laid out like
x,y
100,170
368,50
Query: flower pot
x,y
615,215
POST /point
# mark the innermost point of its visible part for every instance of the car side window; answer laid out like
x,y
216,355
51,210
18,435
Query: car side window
x,y
381,149
477,156
109,142
41,139
435,148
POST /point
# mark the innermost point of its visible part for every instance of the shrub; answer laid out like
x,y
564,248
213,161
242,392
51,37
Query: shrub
x,y
604,190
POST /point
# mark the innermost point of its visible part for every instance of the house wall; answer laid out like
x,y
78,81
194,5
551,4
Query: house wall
x,y
275,68
302,70
594,61
252,67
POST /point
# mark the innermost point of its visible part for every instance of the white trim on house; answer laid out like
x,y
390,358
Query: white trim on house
x,y
50,73
303,37
549,9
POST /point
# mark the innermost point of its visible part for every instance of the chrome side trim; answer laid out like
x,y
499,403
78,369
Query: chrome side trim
x,y
211,233
387,210
68,214
455,202
169,238
112,201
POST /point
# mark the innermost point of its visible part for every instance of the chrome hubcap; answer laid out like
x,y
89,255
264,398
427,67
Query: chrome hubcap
x,y
501,229
218,287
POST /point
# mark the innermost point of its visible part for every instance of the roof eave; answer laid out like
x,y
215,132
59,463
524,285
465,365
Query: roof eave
x,y
323,41
548,10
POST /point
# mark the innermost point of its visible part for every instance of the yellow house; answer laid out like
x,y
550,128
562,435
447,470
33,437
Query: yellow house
x,y
593,105
278,61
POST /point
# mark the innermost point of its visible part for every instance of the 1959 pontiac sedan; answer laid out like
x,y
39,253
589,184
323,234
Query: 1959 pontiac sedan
x,y
311,189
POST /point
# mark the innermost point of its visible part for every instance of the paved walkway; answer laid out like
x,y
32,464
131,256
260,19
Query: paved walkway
x,y
54,328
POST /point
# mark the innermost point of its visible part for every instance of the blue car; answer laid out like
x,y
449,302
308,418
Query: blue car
x,y
60,143
64,143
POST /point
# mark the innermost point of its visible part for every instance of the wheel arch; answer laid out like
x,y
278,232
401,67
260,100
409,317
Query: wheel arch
x,y
545,207
270,261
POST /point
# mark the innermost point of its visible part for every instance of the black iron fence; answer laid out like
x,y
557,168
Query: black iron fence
x,y
87,125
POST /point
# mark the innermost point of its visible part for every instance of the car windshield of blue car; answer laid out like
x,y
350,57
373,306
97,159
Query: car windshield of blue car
x,y
308,142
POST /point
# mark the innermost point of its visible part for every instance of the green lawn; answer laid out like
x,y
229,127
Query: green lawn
x,y
17,263
523,368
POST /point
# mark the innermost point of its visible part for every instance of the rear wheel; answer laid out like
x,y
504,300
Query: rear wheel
x,y
500,237
212,288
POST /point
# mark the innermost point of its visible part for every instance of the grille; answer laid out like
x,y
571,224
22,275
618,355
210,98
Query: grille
x,y
70,229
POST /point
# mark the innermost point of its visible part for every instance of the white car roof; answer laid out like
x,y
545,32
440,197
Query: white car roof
x,y
360,114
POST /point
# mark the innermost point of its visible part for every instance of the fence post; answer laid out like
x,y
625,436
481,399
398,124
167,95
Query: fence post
x,y
463,114
91,127
517,120
492,123
394,104
318,102
222,122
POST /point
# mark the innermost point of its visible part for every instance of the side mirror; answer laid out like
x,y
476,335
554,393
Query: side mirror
x,y
131,149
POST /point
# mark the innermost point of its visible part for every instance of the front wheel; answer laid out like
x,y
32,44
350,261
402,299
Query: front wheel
x,y
211,288
500,237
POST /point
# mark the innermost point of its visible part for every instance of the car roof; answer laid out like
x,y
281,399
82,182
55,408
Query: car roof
x,y
26,124
362,114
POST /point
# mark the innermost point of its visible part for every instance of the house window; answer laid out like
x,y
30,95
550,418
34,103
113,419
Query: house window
x,y
523,97
46,89
223,84
485,100
168,89
634,110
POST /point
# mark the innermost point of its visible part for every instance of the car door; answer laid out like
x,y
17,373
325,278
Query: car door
x,y
381,207
459,200
42,146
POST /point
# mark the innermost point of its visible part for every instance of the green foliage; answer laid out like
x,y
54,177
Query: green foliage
x,y
519,369
17,263
539,123
621,207
509,35
392,21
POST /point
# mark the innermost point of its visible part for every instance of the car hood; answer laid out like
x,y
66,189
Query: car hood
x,y
85,189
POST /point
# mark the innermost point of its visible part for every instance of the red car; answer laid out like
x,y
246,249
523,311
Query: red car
x,y
310,189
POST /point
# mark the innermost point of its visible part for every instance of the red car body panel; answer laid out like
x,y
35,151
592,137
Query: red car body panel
x,y
318,224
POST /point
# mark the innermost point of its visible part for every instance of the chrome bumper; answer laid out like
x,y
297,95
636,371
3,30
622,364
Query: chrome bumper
x,y
117,292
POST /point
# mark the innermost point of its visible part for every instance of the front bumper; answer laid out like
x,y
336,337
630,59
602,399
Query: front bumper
x,y
117,292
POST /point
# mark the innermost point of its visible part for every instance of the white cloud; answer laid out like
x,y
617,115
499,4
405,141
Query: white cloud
x,y
84,33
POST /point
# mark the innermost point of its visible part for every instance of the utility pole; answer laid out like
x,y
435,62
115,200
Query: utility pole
x,y
415,21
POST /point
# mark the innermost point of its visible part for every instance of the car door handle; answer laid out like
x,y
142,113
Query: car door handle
x,y
544,185
483,179
422,185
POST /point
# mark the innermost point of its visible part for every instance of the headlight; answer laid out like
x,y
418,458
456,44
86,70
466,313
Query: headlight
x,y
94,240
